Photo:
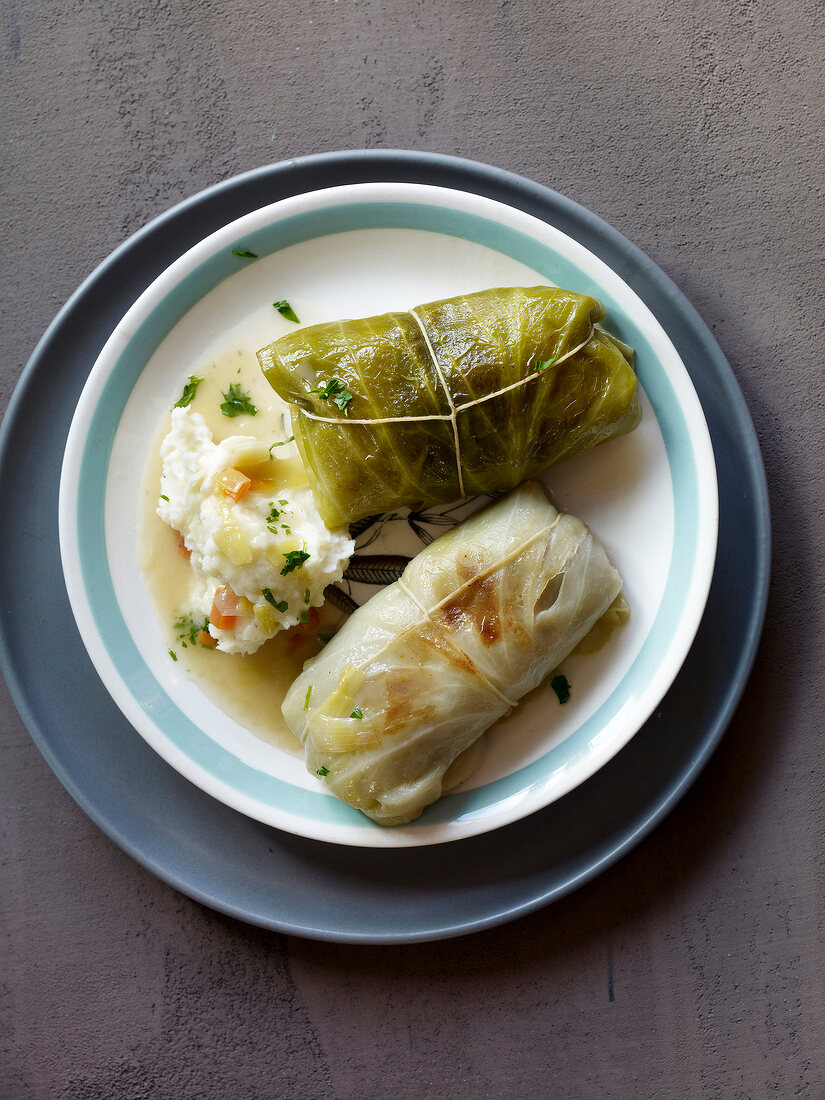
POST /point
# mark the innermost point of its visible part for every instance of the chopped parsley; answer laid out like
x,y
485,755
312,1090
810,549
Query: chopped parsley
x,y
303,616
306,699
274,515
323,770
560,685
173,655
281,443
306,595
163,496
286,310
187,630
279,605
357,713
237,402
189,391
336,392
244,253
543,364
294,560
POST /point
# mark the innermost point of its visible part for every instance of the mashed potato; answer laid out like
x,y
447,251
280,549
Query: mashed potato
x,y
270,545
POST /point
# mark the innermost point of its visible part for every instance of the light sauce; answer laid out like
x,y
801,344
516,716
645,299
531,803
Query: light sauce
x,y
248,687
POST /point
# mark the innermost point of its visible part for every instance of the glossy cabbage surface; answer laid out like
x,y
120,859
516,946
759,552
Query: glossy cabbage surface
x,y
391,711
483,342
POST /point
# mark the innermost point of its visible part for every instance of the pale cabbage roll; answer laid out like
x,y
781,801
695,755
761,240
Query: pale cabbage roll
x,y
391,711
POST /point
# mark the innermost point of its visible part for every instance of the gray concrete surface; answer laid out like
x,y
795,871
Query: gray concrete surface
x,y
694,967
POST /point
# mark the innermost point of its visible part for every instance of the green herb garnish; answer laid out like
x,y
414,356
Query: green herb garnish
x,y
282,443
306,699
294,560
163,496
323,770
303,616
560,685
189,391
244,253
187,630
237,402
286,310
279,605
543,364
173,655
274,514
336,392
306,595
357,713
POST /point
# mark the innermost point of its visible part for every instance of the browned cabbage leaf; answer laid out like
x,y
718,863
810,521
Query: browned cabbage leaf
x,y
483,343
391,710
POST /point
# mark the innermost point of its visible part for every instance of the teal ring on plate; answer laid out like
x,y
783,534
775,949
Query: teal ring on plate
x,y
184,295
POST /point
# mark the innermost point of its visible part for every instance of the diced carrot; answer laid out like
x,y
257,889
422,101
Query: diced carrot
x,y
226,600
233,482
221,622
206,639
224,608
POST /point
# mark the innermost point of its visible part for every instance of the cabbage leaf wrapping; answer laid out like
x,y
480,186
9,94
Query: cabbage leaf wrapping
x,y
415,415
391,711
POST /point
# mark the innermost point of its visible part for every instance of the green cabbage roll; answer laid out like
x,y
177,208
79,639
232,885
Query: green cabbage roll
x,y
392,710
452,399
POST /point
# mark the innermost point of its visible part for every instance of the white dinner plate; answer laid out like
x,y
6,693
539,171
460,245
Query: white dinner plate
x,y
651,496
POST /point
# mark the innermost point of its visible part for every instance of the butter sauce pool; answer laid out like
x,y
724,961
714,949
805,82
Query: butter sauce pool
x,y
249,688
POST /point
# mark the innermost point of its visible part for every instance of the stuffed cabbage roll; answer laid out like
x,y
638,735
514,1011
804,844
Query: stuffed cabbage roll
x,y
455,398
391,711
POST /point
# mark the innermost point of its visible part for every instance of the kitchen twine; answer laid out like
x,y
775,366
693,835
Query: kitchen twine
x,y
452,415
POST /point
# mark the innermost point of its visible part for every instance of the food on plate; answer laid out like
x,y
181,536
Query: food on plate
x,y
452,399
391,712
260,553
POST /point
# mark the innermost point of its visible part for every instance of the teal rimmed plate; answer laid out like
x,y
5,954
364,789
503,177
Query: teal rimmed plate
x,y
355,250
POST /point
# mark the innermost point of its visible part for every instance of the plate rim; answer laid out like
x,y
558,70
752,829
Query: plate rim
x,y
207,884
163,289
